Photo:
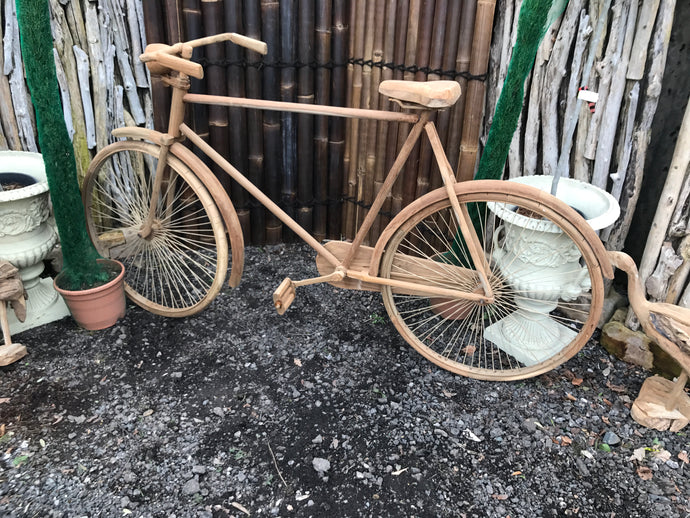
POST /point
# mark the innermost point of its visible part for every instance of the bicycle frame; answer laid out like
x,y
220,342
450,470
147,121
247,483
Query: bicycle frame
x,y
177,130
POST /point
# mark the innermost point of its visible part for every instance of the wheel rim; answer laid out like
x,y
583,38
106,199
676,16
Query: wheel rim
x,y
497,341
177,268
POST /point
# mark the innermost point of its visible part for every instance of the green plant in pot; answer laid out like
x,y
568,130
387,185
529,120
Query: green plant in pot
x,y
92,286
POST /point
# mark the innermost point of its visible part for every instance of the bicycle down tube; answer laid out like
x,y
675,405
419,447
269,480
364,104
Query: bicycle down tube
x,y
309,239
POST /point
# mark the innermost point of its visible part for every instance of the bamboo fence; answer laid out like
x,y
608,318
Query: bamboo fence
x,y
326,171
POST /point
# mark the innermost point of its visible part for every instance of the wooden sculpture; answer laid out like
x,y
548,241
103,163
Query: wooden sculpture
x,y
661,404
12,292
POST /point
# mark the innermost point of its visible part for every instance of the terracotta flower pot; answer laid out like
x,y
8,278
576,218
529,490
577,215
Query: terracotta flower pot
x,y
99,307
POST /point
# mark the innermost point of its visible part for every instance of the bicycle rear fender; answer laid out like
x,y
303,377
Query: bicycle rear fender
x,y
479,186
197,166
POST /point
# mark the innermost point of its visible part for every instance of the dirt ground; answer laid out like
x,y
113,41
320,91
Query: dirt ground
x,y
324,411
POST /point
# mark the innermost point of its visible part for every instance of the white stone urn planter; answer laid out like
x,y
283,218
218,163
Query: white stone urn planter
x,y
26,236
543,265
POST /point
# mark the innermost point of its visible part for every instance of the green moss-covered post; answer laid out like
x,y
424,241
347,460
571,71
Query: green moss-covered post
x,y
536,16
80,266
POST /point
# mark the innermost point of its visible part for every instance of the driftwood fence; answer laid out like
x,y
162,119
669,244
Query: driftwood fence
x,y
610,144
326,171
102,83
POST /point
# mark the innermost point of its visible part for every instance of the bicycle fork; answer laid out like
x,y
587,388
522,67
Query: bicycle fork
x,y
146,230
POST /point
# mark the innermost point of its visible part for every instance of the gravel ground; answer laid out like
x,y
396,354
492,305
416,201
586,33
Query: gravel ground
x,y
324,411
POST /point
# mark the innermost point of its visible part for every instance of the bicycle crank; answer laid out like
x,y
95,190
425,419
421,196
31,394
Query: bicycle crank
x,y
284,295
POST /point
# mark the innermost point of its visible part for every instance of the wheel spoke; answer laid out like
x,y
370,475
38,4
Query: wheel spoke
x,y
178,267
536,319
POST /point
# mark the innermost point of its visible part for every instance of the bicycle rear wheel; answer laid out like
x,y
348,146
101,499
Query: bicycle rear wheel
x,y
179,267
545,277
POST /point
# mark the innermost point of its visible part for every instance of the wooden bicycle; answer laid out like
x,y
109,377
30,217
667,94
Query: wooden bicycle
x,y
445,266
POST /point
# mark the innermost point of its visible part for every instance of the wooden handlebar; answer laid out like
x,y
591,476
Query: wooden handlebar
x,y
237,39
161,58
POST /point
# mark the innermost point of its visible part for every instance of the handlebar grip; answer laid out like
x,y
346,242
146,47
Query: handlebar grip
x,y
161,57
250,43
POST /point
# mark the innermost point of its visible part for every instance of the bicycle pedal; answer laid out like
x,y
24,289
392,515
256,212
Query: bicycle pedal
x,y
284,295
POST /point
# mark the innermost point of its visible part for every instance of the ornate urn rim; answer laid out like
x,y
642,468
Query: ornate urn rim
x,y
26,163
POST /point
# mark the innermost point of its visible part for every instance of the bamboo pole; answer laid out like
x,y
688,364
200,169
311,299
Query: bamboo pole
x,y
216,83
411,35
336,137
373,132
351,15
469,145
462,64
173,23
255,141
322,27
270,28
398,132
385,132
305,123
194,28
365,179
358,37
450,50
435,62
236,116
160,95
420,56
288,93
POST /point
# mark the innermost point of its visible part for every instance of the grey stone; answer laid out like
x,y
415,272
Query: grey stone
x,y
321,465
190,487
611,438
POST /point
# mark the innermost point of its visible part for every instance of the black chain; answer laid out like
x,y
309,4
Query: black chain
x,y
243,63
285,204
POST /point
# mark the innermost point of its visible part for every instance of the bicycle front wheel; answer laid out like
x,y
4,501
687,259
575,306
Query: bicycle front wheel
x,y
176,268
546,282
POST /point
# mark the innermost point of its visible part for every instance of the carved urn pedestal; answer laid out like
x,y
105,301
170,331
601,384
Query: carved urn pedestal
x,y
26,235
543,264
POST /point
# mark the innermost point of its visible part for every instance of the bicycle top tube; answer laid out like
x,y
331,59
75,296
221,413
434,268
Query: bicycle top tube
x,y
315,109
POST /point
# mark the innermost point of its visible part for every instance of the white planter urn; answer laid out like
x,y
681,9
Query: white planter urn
x,y
26,236
543,265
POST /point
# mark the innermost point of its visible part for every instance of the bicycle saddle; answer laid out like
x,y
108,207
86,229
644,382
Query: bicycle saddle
x,y
432,94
